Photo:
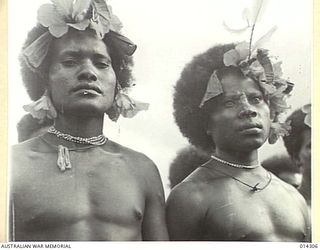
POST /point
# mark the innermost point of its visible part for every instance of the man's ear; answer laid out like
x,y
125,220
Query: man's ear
x,y
209,126
209,129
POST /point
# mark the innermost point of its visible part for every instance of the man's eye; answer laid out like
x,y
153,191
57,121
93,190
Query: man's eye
x,y
229,104
256,99
102,65
69,63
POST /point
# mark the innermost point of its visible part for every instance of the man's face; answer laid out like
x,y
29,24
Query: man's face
x,y
240,118
81,77
304,156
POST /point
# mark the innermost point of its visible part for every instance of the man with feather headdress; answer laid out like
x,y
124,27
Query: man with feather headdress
x,y
228,102
72,183
230,111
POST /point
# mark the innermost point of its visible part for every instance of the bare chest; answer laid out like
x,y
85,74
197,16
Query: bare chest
x,y
270,215
95,189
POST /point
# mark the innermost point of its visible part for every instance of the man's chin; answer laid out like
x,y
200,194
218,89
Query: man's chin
x,y
86,110
250,145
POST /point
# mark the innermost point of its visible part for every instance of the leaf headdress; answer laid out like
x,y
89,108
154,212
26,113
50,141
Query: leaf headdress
x,y
256,63
60,15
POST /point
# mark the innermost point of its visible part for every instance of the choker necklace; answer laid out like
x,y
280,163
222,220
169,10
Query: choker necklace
x,y
95,140
234,164
254,188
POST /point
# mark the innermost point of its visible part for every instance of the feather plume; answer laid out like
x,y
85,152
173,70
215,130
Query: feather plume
x,y
246,16
264,38
232,30
257,10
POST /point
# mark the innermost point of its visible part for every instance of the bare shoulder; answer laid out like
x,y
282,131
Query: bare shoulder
x,y
137,160
292,191
188,194
206,179
23,166
21,154
139,164
286,186
128,153
31,144
186,209
204,186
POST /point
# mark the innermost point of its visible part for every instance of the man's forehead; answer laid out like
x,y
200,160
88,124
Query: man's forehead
x,y
244,86
76,43
238,93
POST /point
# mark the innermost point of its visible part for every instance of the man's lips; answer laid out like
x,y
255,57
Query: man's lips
x,y
86,88
252,128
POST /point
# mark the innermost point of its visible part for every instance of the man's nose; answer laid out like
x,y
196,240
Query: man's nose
x,y
87,73
246,109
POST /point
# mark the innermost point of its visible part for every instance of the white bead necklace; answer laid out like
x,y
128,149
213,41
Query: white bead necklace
x,y
234,164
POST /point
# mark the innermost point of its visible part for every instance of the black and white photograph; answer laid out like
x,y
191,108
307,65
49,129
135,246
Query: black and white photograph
x,y
149,120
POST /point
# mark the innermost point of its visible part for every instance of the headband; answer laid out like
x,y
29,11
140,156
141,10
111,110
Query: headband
x,y
80,15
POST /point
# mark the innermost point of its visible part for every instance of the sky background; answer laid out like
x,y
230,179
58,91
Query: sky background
x,y
168,34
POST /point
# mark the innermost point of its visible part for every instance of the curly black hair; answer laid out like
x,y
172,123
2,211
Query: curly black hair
x,y
280,163
28,126
35,82
293,141
186,161
189,91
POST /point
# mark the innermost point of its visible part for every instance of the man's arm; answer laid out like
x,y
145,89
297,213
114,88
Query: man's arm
x,y
301,202
154,225
185,213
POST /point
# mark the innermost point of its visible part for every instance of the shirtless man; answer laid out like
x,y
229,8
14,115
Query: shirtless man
x,y
66,188
231,197
298,144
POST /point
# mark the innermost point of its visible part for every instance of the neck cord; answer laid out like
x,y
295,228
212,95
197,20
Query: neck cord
x,y
254,188
234,164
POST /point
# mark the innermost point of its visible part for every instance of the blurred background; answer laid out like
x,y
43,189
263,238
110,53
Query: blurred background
x,y
168,34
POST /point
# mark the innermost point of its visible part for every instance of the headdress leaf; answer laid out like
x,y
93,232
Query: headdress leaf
x,y
80,9
63,7
47,15
255,62
264,38
307,110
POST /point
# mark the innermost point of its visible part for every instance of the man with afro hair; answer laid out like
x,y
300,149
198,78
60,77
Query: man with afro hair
x,y
72,183
298,144
226,108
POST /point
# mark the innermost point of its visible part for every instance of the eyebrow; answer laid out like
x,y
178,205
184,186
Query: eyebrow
x,y
237,95
79,54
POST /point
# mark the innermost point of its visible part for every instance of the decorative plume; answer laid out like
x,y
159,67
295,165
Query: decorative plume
x,y
251,17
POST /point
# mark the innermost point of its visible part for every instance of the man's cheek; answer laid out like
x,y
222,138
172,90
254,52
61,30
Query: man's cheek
x,y
55,70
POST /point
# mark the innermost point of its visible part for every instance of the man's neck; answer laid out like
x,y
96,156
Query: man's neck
x,y
82,126
243,158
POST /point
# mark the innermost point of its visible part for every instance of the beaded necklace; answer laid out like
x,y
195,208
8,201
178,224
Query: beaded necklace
x,y
95,140
234,164
254,188
63,160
